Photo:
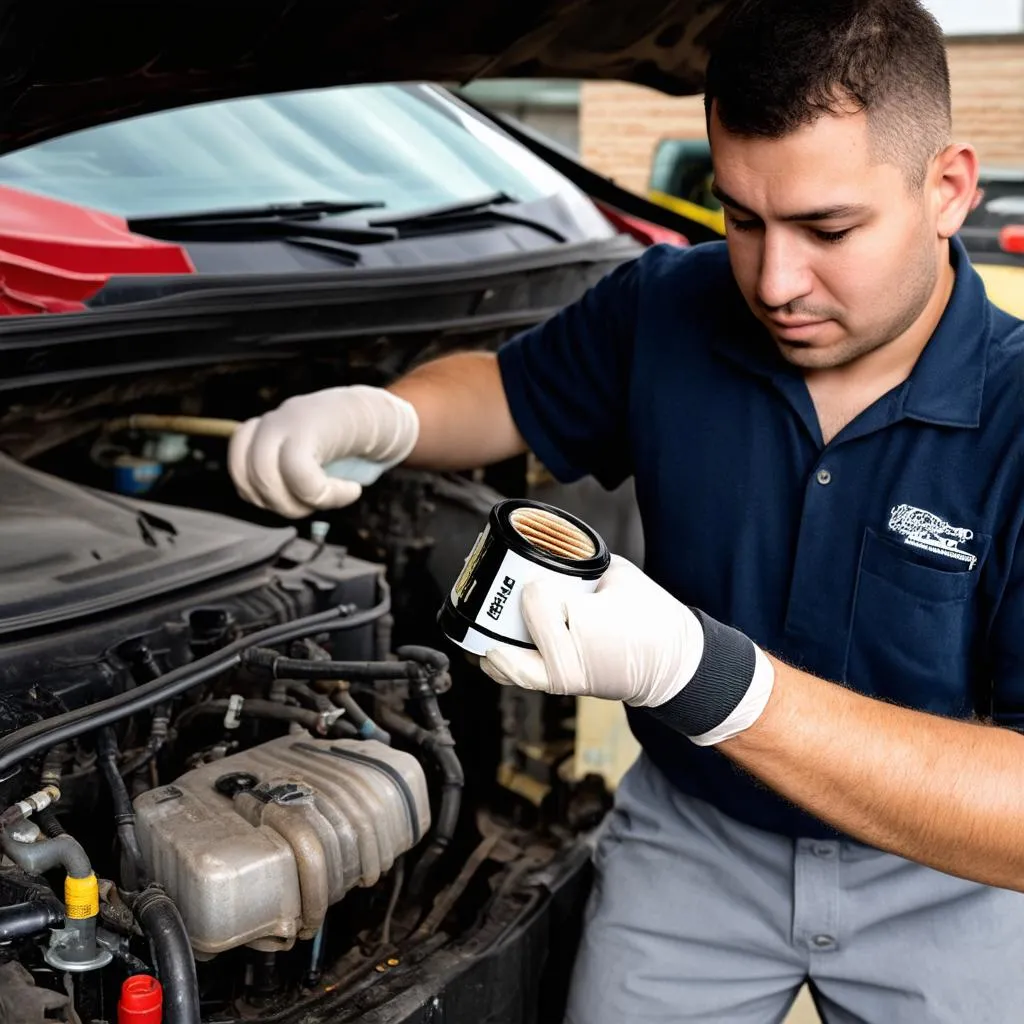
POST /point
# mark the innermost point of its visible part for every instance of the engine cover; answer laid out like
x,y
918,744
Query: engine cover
x,y
254,847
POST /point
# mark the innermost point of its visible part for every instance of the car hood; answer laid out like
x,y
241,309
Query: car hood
x,y
68,67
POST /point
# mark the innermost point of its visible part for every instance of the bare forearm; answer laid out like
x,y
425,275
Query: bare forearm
x,y
944,793
464,416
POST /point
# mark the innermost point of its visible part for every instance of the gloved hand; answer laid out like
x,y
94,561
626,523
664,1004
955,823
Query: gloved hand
x,y
633,641
277,460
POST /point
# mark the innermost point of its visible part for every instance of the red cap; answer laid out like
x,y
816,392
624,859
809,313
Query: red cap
x,y
1011,238
142,1001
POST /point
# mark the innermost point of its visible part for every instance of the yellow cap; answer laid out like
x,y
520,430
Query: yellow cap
x,y
81,897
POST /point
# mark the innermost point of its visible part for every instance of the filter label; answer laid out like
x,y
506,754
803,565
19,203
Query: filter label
x,y
501,595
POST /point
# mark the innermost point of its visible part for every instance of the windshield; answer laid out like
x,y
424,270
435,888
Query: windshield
x,y
409,147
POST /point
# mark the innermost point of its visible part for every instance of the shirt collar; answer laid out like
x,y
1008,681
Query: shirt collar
x,y
947,382
945,387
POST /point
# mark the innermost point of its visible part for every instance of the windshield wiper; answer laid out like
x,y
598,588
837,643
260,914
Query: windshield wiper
x,y
310,209
476,213
273,220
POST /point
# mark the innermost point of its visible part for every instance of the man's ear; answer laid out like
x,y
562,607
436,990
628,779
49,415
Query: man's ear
x,y
954,180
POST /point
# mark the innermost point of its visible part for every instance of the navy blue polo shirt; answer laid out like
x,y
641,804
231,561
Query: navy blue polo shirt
x,y
889,559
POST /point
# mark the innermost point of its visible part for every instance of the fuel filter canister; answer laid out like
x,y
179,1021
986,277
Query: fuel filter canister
x,y
522,541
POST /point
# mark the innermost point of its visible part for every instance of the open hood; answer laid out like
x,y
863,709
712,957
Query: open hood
x,y
69,66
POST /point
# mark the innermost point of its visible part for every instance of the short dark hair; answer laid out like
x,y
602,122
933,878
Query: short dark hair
x,y
778,65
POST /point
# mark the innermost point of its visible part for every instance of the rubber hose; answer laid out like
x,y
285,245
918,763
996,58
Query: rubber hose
x,y
175,965
124,814
31,739
47,820
49,775
365,726
23,920
256,708
302,668
426,656
45,855
453,781
308,697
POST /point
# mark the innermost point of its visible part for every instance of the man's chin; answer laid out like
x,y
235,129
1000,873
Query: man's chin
x,y
820,350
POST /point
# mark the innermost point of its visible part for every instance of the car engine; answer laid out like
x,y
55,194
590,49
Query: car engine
x,y
235,780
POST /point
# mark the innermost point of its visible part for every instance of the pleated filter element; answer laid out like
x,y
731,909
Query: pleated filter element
x,y
552,533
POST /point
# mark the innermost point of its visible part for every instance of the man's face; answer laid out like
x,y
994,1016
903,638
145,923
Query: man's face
x,y
833,251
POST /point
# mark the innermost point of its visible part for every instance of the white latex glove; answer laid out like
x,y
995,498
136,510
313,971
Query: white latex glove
x,y
278,460
631,641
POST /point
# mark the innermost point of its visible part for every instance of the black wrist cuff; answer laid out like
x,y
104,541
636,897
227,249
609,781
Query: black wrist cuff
x,y
722,679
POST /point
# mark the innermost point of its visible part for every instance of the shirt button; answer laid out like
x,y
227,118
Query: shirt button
x,y
824,850
823,477
824,941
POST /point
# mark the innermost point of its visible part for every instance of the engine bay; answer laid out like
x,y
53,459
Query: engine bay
x,y
239,757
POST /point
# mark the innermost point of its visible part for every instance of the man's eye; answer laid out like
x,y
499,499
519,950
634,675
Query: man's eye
x,y
832,236
742,225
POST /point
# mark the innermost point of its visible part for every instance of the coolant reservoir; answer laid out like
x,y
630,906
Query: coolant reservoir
x,y
253,848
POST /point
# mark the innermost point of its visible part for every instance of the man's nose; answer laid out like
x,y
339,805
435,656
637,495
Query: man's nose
x,y
784,275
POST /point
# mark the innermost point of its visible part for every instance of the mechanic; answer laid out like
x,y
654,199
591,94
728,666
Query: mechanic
x,y
824,658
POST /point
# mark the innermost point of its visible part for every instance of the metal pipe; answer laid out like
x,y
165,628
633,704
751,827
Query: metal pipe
x,y
196,426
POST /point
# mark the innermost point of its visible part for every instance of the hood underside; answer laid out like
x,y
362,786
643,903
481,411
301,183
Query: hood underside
x,y
68,67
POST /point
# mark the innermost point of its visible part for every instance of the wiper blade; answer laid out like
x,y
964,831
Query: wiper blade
x,y
445,210
312,209
473,213
258,223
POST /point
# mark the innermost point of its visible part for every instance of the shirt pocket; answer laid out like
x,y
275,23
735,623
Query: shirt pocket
x,y
912,632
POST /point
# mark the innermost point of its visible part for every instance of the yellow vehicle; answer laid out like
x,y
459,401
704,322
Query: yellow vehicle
x,y
681,177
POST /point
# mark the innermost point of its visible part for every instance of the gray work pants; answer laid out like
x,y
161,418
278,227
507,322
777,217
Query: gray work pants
x,y
696,917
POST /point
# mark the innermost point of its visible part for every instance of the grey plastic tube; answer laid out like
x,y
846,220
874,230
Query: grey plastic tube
x,y
36,858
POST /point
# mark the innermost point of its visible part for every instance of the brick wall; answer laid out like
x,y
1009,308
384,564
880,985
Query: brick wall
x,y
620,125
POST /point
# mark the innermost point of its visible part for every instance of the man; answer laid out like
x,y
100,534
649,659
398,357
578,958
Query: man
x,y
824,419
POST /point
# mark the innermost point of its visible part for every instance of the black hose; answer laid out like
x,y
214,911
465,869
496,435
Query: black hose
x,y
308,697
365,726
144,669
434,661
257,708
49,775
47,820
157,737
301,668
53,765
175,965
134,865
23,920
438,743
22,743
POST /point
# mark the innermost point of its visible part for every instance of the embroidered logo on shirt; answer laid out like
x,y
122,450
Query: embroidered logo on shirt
x,y
921,529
